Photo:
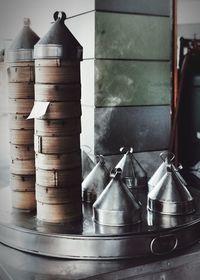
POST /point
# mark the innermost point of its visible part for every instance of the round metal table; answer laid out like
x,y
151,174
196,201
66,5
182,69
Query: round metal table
x,y
155,235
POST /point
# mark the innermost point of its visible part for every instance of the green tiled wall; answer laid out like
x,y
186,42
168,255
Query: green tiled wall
x,y
128,36
130,83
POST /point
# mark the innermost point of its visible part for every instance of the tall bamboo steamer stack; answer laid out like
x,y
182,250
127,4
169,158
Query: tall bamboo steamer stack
x,y
20,70
57,132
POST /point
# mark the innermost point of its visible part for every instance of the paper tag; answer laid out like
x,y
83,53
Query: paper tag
x,y
39,110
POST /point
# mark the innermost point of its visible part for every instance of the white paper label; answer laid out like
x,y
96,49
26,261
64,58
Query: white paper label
x,y
39,110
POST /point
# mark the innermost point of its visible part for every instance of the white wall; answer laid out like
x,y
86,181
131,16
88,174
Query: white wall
x,y
188,18
188,11
40,12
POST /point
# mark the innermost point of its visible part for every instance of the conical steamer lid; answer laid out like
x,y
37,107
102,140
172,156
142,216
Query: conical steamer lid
x,y
95,182
116,206
167,158
133,173
170,195
22,46
58,42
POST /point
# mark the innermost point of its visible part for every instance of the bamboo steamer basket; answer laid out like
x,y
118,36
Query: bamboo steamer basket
x,y
62,110
20,106
57,127
23,200
19,121
22,167
57,195
69,178
21,90
22,183
22,137
58,92
56,145
58,162
21,73
58,213
55,71
22,151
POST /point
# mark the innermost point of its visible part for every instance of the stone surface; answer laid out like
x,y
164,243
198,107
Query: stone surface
x,y
128,36
154,7
145,128
122,83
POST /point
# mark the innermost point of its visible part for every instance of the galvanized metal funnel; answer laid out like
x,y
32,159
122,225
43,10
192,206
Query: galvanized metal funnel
x,y
170,195
167,158
95,182
133,174
116,206
87,164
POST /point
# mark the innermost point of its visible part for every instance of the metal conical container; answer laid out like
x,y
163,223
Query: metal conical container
x,y
87,164
116,206
95,182
21,48
166,157
20,69
170,195
57,129
58,42
133,174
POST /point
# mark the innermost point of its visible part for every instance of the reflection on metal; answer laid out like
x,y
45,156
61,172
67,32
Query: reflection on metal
x,y
116,206
88,240
95,182
170,195
166,157
21,48
58,42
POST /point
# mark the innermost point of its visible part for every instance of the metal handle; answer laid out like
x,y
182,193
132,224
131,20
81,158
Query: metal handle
x,y
126,150
163,245
100,158
60,15
167,155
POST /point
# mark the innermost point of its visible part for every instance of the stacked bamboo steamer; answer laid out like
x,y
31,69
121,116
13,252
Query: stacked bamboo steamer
x,y
20,69
57,132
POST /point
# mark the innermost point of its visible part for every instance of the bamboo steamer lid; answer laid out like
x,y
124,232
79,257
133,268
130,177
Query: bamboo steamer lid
x,y
57,195
62,110
22,137
23,200
69,178
21,90
19,121
22,167
20,74
56,145
60,92
52,73
58,162
22,151
20,106
57,127
22,182
57,213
